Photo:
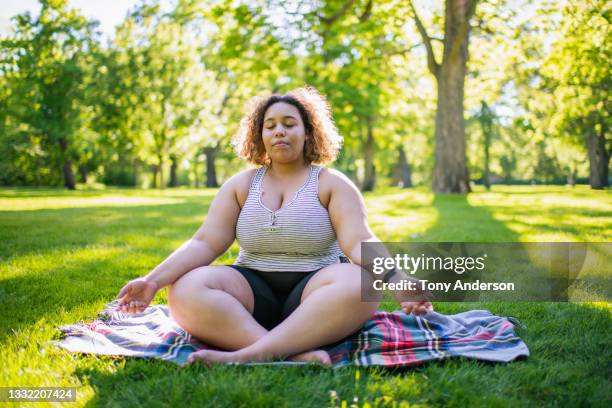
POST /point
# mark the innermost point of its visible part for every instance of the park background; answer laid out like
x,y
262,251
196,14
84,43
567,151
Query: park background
x,y
462,121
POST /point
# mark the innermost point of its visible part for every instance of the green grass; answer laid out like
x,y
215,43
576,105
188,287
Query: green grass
x,y
63,255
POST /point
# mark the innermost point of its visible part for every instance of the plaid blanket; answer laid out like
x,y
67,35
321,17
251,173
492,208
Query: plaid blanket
x,y
387,339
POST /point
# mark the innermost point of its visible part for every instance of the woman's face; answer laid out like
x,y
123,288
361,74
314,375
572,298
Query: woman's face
x,y
283,133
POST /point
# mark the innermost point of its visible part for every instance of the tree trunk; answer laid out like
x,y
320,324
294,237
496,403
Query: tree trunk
x,y
369,178
122,169
83,173
173,171
450,169
599,160
154,171
196,171
486,176
211,172
69,175
404,167
135,172
69,182
160,170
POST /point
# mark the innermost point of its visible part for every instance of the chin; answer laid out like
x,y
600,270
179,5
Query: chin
x,y
285,159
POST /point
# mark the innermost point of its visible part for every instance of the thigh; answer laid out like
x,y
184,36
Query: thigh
x,y
349,275
295,296
347,280
267,308
219,277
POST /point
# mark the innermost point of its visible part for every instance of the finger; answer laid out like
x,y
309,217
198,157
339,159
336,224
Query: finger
x,y
123,291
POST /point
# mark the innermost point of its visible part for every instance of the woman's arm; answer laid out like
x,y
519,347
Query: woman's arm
x,y
211,240
348,215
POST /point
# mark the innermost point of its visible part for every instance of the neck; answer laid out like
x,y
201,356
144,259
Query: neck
x,y
287,169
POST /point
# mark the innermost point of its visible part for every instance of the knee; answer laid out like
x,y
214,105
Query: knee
x,y
352,286
351,281
190,285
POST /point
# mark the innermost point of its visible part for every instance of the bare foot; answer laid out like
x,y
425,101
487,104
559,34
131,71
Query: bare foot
x,y
209,357
313,356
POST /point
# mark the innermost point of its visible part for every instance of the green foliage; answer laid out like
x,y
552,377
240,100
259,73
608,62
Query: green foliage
x,y
563,79
43,67
173,81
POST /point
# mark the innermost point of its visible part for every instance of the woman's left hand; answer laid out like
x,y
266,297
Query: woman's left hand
x,y
417,301
417,308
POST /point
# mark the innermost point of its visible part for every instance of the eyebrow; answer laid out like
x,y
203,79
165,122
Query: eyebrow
x,y
284,117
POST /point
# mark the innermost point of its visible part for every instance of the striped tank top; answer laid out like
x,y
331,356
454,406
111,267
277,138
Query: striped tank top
x,y
298,237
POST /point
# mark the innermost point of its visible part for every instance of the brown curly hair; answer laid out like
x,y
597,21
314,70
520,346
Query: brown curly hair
x,y
322,139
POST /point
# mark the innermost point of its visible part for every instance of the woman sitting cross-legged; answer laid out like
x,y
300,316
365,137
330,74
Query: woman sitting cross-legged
x,y
289,293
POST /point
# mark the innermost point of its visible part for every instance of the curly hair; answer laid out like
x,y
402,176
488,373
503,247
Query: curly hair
x,y
322,139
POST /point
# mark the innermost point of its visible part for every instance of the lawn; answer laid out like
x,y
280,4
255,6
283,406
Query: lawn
x,y
63,255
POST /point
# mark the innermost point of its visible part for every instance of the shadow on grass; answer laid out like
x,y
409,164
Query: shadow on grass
x,y
41,230
458,221
55,261
562,337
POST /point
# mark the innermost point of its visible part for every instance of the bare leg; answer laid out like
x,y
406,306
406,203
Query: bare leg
x,y
331,309
214,304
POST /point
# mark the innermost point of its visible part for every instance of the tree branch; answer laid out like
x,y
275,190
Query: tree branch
x,y
366,13
399,51
337,14
482,27
432,64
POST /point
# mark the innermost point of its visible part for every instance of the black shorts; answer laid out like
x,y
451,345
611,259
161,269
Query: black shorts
x,y
277,294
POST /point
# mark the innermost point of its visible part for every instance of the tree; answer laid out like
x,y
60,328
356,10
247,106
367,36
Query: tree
x,y
45,64
166,84
486,119
450,168
349,41
578,69
563,80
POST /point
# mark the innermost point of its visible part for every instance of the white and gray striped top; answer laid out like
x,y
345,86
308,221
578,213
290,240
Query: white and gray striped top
x,y
298,237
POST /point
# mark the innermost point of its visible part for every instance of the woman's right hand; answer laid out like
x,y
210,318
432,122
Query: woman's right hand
x,y
136,295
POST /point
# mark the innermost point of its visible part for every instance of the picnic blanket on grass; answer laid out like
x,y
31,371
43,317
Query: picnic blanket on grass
x,y
390,339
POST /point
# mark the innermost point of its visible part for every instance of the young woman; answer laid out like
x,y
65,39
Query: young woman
x,y
291,290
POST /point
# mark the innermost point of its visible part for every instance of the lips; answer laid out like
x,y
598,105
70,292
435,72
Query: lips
x,y
280,144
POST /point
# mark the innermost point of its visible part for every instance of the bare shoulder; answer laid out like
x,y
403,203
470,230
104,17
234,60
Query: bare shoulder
x,y
239,184
333,182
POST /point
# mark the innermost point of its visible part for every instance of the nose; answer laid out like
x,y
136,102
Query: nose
x,y
279,131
